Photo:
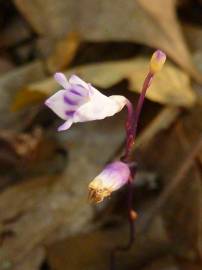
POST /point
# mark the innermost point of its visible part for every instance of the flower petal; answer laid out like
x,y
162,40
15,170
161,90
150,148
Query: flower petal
x,y
61,79
99,107
66,125
76,80
56,103
113,177
79,91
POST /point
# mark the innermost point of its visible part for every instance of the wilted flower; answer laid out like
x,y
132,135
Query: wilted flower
x,y
113,177
79,101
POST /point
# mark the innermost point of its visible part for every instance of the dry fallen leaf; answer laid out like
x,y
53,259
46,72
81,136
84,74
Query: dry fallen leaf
x,y
9,85
161,122
23,98
64,53
95,247
193,35
171,86
182,218
51,207
154,25
22,143
167,33
5,65
163,263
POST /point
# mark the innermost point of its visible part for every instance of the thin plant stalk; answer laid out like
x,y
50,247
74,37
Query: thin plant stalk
x,y
131,133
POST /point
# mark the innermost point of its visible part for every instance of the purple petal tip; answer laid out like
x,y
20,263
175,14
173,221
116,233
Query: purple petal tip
x,y
61,79
46,103
160,54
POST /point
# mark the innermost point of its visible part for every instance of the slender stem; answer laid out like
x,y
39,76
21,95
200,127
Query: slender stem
x,y
130,209
131,224
131,133
134,116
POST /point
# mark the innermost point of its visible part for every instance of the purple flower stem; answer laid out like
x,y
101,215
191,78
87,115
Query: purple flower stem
x,y
131,226
136,116
131,132
133,118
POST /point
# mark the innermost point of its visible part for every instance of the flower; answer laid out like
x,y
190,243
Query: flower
x,y
113,177
79,101
157,61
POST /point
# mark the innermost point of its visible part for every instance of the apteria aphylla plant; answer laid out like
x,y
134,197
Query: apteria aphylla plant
x,y
79,101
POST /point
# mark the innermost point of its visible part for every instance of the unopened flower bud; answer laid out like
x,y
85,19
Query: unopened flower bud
x,y
113,177
157,61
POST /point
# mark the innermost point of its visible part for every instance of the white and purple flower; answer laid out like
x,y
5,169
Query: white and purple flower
x,y
79,101
113,177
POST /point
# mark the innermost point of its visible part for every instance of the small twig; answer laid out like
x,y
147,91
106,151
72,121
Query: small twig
x,y
183,170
